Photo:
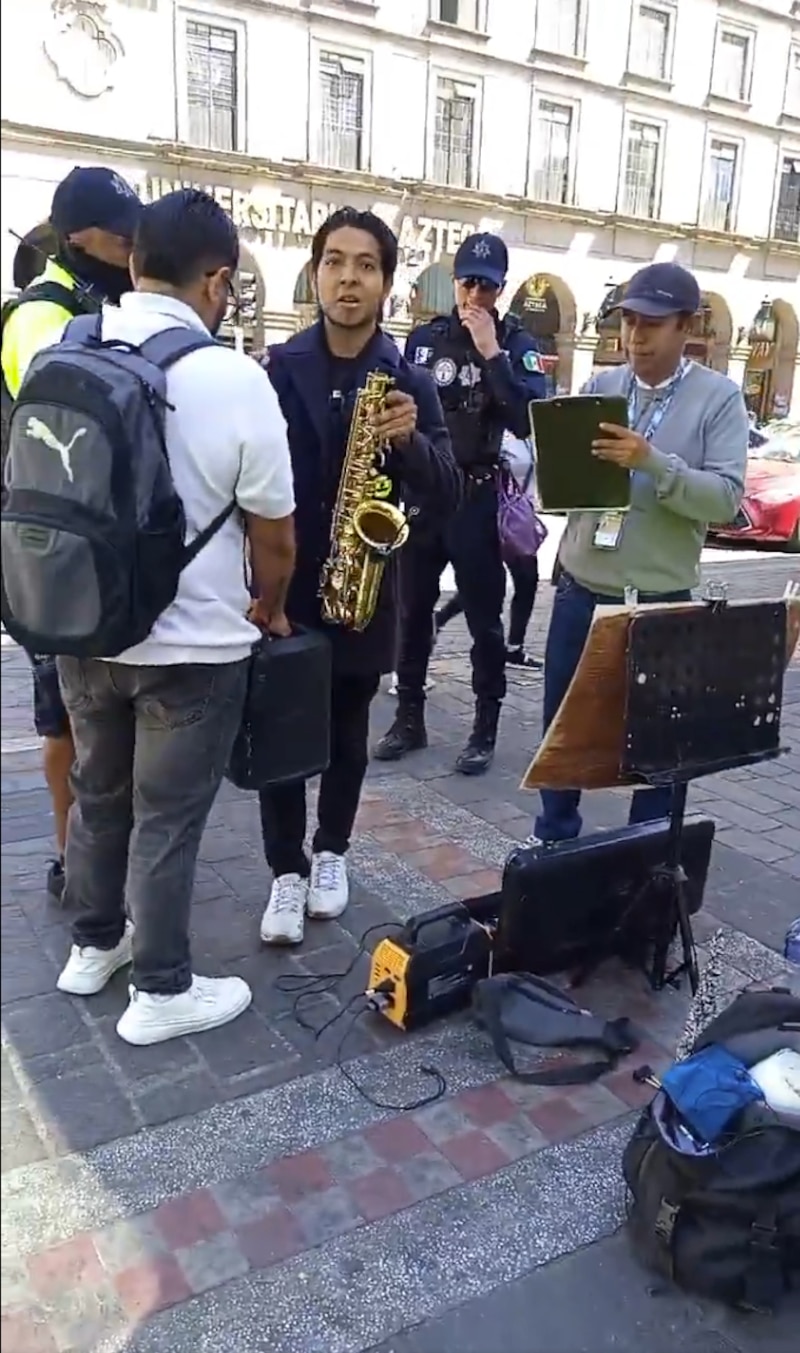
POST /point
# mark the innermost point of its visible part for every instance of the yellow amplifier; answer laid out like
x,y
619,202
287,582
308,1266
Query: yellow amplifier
x,y
430,967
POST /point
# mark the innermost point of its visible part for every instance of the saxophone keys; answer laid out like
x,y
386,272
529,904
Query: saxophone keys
x,y
381,486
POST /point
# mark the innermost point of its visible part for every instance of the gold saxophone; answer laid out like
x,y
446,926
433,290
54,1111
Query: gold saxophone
x,y
365,529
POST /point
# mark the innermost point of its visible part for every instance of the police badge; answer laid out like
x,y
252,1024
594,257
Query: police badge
x,y
445,371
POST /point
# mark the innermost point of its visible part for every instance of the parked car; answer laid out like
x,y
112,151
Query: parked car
x,y
770,510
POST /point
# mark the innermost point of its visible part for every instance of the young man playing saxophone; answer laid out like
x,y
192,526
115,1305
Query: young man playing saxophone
x,y
317,375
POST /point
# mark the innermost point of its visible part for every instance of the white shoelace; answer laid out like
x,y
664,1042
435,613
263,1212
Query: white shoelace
x,y
328,872
287,895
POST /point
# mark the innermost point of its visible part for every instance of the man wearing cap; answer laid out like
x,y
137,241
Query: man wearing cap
x,y
92,221
487,370
686,448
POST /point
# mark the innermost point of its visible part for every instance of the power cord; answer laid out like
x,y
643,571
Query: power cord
x,y
306,986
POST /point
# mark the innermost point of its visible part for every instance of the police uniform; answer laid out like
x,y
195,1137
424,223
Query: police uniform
x,y
481,400
37,318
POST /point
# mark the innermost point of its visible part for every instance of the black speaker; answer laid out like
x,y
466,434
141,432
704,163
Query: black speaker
x,y
286,727
565,907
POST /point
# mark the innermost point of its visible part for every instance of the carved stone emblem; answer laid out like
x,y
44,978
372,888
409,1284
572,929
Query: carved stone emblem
x,y
81,44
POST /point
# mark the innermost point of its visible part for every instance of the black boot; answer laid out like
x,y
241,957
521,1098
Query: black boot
x,y
407,733
479,751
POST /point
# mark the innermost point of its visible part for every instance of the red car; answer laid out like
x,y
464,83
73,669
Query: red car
x,y
770,510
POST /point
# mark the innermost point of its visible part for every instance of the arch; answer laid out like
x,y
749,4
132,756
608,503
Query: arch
x,y
304,299
432,293
770,371
608,323
712,332
546,307
246,310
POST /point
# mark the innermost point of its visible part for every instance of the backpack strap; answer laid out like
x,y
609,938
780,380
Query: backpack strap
x,y
53,292
164,350
168,347
84,329
763,1279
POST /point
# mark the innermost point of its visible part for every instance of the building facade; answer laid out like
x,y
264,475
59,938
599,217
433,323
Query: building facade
x,y
595,135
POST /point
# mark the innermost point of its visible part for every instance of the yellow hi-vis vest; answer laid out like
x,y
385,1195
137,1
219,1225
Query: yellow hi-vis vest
x,y
32,327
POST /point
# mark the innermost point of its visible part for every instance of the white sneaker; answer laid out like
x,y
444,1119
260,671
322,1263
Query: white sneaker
x,y
209,1002
88,970
329,891
282,922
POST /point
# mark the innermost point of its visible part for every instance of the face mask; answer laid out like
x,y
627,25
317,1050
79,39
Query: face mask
x,y
109,282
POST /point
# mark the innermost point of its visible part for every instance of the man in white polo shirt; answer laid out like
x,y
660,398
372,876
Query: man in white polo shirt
x,y
154,728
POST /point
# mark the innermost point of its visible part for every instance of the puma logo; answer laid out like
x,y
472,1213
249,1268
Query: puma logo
x,y
41,433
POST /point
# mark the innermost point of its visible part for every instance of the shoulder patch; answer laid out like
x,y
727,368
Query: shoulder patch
x,y
532,362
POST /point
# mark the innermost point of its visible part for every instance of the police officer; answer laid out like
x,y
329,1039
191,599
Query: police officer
x,y
487,370
92,220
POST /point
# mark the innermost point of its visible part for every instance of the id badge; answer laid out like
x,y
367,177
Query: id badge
x,y
608,531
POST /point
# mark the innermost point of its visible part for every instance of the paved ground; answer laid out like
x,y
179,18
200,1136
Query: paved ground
x,y
236,1194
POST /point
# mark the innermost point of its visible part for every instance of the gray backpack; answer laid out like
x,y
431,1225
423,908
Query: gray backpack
x,y
93,529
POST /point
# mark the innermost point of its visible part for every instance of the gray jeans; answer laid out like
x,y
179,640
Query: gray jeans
x,y
151,746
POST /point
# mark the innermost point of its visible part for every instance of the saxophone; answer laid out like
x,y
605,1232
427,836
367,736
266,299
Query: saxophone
x,y
365,529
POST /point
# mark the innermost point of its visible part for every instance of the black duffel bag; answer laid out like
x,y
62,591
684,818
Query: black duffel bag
x,y
724,1225
286,726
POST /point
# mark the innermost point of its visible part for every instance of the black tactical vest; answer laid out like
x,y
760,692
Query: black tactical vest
x,y
472,418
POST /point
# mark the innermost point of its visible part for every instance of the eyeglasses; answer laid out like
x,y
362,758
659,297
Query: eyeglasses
x,y
476,284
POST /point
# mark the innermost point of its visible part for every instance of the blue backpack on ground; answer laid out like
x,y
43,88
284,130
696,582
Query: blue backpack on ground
x,y
93,529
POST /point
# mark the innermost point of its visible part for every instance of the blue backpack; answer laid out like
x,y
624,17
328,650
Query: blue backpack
x,y
93,530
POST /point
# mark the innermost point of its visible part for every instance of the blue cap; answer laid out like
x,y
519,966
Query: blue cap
x,y
95,197
659,290
483,256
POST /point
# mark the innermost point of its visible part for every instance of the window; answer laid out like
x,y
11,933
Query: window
x,y
731,76
793,83
453,137
341,130
717,208
553,142
650,42
464,13
558,26
787,212
640,179
211,86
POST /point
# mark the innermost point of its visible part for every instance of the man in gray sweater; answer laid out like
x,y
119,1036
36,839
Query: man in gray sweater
x,y
686,446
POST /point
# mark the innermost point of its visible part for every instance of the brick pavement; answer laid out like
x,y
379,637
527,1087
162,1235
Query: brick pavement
x,y
217,1194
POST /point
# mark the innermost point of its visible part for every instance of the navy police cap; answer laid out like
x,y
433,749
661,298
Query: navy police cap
x,y
483,256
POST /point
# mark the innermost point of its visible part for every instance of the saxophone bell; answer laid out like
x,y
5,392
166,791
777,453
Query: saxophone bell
x,y
382,527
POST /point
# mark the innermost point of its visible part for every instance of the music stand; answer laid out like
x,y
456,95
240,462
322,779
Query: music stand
x,y
704,694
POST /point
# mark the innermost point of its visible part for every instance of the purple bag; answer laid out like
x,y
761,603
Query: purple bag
x,y
522,532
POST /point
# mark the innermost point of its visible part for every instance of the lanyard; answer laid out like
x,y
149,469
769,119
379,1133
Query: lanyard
x,y
659,407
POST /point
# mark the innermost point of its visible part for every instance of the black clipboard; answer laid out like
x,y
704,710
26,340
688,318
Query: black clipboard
x,y
568,477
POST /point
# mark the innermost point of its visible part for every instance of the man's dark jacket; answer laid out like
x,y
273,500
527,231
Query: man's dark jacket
x,y
304,377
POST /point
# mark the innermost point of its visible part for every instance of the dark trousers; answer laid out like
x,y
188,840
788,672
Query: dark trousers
x,y
49,715
570,622
472,544
283,810
525,577
151,747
